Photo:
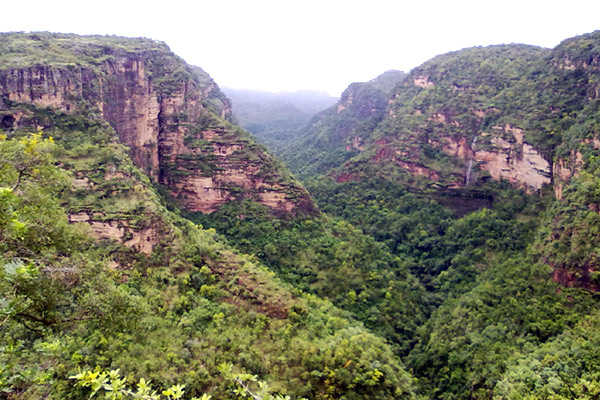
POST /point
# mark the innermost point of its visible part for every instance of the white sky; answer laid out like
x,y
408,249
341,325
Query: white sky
x,y
310,44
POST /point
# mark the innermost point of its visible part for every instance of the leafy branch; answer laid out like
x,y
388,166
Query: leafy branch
x,y
243,385
115,387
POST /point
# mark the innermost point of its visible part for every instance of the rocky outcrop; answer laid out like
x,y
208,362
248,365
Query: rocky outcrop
x,y
564,169
504,155
117,205
499,153
355,143
362,100
422,81
47,86
229,173
130,103
528,169
582,277
172,117
441,122
344,129
139,239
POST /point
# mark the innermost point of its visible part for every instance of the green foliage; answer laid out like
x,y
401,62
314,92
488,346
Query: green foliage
x,y
327,141
563,368
115,387
569,239
332,259
31,219
247,385
444,252
469,342
496,301
490,301
325,306
171,316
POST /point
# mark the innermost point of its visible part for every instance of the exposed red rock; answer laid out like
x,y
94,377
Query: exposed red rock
x,y
341,178
580,277
564,169
178,132
141,239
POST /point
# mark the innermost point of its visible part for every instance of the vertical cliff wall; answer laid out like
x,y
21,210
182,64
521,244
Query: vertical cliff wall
x,y
172,116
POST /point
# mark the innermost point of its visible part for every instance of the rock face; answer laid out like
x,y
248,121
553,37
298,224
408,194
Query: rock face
x,y
363,101
446,121
141,240
46,86
440,123
131,104
504,155
524,115
171,115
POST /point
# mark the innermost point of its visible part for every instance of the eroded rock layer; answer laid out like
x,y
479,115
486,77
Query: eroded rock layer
x,y
172,116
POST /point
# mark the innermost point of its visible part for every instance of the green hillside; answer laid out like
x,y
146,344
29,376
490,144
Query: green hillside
x,y
97,274
480,177
156,296
445,246
340,132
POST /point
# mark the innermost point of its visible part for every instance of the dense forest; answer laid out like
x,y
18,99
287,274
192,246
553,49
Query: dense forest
x,y
442,242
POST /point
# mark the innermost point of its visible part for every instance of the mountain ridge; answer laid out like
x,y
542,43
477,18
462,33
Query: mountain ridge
x,y
172,116
98,271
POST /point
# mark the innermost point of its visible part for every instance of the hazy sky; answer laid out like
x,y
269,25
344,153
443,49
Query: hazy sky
x,y
310,44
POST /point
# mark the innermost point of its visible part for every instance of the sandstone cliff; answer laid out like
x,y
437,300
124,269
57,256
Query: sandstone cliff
x,y
520,114
172,116
445,123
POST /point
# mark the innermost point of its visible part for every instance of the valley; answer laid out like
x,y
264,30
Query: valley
x,y
431,234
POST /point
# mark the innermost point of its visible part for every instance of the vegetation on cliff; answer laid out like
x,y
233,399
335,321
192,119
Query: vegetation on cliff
x,y
339,132
171,312
506,285
172,116
330,258
454,255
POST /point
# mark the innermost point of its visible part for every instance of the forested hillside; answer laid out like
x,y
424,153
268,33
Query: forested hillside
x,y
339,132
445,246
479,177
97,275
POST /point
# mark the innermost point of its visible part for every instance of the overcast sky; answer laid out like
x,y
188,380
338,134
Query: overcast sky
x,y
279,45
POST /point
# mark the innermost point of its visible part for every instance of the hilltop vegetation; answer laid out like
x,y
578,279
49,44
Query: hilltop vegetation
x,y
338,133
478,129
97,273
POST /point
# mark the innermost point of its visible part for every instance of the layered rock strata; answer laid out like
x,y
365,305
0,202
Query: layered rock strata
x,y
172,116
